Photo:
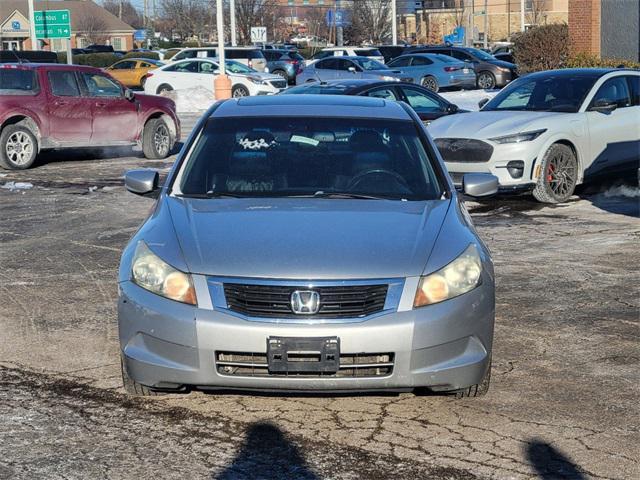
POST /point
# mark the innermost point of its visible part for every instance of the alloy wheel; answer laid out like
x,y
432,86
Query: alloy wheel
x,y
239,92
561,175
485,81
161,139
19,148
430,83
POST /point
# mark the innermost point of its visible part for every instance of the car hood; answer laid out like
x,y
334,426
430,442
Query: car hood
x,y
502,63
488,124
261,75
306,238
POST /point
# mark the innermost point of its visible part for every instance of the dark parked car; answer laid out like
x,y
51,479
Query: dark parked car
x,y
427,104
27,56
491,72
100,49
45,106
286,63
389,52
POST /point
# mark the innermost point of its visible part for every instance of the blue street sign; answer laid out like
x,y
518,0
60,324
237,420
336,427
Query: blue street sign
x,y
336,18
140,35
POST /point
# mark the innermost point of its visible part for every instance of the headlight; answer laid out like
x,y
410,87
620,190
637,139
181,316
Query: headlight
x,y
256,80
460,276
519,137
153,274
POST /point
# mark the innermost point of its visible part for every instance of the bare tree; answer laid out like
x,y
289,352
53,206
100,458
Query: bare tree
x,y
253,13
188,18
458,12
92,28
536,11
125,10
370,22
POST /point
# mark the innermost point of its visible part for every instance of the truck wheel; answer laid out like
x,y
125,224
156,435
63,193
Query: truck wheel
x,y
156,139
239,91
430,83
558,176
476,390
18,147
486,81
134,388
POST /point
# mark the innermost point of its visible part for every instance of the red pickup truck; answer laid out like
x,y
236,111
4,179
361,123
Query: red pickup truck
x,y
44,106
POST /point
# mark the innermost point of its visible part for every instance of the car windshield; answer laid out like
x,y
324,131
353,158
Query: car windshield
x,y
481,54
237,67
17,81
370,64
309,157
561,93
316,89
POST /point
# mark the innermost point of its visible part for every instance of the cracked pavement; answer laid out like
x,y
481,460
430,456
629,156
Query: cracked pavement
x,y
564,395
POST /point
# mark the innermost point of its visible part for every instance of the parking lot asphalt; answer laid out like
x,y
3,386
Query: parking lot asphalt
x,y
564,395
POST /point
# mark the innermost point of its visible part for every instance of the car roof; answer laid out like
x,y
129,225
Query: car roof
x,y
576,72
48,66
312,106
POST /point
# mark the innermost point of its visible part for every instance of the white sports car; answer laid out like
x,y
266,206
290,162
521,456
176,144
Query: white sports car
x,y
200,72
547,131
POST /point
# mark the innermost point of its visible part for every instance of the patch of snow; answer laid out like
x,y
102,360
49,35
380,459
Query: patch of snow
x,y
109,189
468,99
191,100
623,191
17,186
3,174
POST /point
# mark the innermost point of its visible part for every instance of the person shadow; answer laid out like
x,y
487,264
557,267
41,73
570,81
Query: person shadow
x,y
550,463
266,453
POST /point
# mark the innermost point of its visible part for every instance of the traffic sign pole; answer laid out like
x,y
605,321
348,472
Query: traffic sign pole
x,y
32,27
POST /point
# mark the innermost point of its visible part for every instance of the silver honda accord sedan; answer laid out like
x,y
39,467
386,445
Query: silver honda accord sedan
x,y
307,243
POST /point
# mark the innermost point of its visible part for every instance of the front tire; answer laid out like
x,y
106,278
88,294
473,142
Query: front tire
x,y
430,83
486,81
558,176
156,139
281,73
18,147
478,390
239,91
134,388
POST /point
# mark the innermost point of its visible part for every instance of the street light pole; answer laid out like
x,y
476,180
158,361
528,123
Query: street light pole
x,y
486,25
339,31
394,23
32,27
522,15
222,83
232,7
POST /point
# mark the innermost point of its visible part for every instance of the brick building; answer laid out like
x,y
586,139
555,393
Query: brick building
x,y
606,28
90,23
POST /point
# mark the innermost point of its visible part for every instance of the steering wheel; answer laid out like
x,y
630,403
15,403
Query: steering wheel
x,y
378,171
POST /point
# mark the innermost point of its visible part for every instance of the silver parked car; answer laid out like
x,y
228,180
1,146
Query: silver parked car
x,y
307,242
434,71
335,68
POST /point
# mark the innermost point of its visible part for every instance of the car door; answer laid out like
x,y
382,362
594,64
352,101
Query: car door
x,y
400,63
123,71
425,103
206,75
326,69
614,136
347,69
69,112
115,119
182,74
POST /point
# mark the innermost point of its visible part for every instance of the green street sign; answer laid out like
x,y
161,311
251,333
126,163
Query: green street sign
x,y
52,24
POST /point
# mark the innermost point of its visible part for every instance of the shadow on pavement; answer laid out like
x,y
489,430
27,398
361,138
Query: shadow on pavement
x,y
550,463
615,194
266,453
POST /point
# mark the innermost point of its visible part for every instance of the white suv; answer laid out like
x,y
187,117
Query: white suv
x,y
348,52
252,57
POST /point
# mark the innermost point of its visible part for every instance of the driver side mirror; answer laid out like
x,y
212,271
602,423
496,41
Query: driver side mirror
x,y
479,184
604,105
216,71
141,182
352,69
482,103
452,108
128,94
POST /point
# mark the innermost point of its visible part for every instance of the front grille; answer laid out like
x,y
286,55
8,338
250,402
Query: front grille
x,y
279,83
464,150
274,301
251,364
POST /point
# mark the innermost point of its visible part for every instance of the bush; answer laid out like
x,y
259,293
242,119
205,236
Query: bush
x,y
585,60
168,55
99,60
149,55
545,47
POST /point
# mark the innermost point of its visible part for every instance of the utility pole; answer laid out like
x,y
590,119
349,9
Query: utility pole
x,y
221,83
32,27
120,9
486,25
394,23
508,20
339,31
521,15
232,7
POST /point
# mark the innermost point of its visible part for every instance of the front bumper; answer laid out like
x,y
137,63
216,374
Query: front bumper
x,y
504,77
446,346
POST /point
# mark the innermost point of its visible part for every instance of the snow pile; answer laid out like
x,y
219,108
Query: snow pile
x,y
17,186
468,99
191,100
623,191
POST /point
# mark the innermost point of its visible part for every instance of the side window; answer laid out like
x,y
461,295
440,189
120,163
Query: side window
x,y
63,83
320,55
145,65
460,55
186,54
270,55
346,65
187,67
124,65
327,64
420,101
383,92
101,86
206,67
400,62
614,90
420,61
233,54
634,87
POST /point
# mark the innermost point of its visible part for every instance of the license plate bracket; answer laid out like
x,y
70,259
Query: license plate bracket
x,y
303,355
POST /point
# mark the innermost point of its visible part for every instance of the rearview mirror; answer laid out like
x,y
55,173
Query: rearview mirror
x,y
604,105
141,182
128,94
482,103
479,184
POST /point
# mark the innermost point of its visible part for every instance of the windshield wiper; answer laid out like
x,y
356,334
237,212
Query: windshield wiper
x,y
211,194
322,194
